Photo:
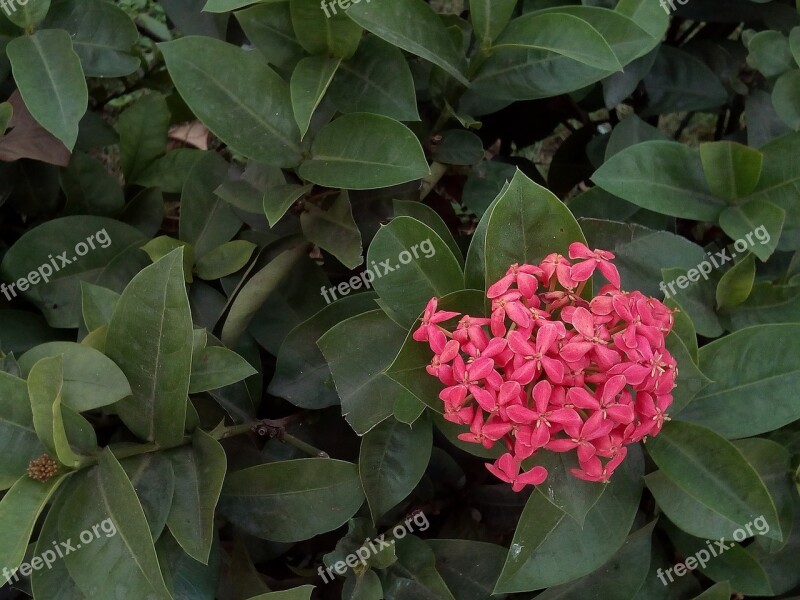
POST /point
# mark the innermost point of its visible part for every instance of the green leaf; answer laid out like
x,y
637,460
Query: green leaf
x,y
769,53
97,305
712,471
743,366
414,575
358,351
107,501
565,491
696,295
621,576
91,379
526,224
277,200
732,170
150,338
292,500
691,379
269,28
489,17
458,147
364,151
767,304
424,213
50,78
334,230
302,375
153,479
226,259
376,80
413,26
322,29
469,568
18,440
185,577
199,474
741,222
392,460
719,591
102,34
237,96
410,265
550,548
363,586
646,15
299,593
27,15
90,189
562,34
206,220
45,385
737,283
310,81
19,510
159,247
256,291
6,114
111,263
143,129
215,367
684,328
665,177
786,99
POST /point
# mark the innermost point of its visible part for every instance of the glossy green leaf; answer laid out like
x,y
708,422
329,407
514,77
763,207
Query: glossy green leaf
x,y
414,575
215,367
489,17
159,247
550,548
410,265
153,478
458,147
665,177
199,474
299,593
292,500
413,26
142,131
526,224
121,543
269,28
150,338
732,170
334,230
185,577
767,304
91,379
237,96
225,259
786,99
392,460
321,28
743,366
310,80
113,261
50,78
562,34
681,81
736,284
27,15
719,591
90,189
358,351
770,53
364,151
302,375
565,491
102,35
256,291
691,379
19,510
469,568
18,440
277,200
377,79
97,305
424,213
713,472
758,217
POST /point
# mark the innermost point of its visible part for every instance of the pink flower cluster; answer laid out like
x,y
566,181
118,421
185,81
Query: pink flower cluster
x,y
551,370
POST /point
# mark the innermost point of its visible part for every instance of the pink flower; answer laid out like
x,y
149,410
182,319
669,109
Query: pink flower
x,y
598,259
506,468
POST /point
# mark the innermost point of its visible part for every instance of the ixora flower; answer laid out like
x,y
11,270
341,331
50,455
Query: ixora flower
x,y
550,370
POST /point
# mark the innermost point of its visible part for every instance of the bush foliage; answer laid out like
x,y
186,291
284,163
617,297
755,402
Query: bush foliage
x,y
221,221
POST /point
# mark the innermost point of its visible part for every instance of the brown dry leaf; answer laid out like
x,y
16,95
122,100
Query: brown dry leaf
x,y
192,134
27,139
